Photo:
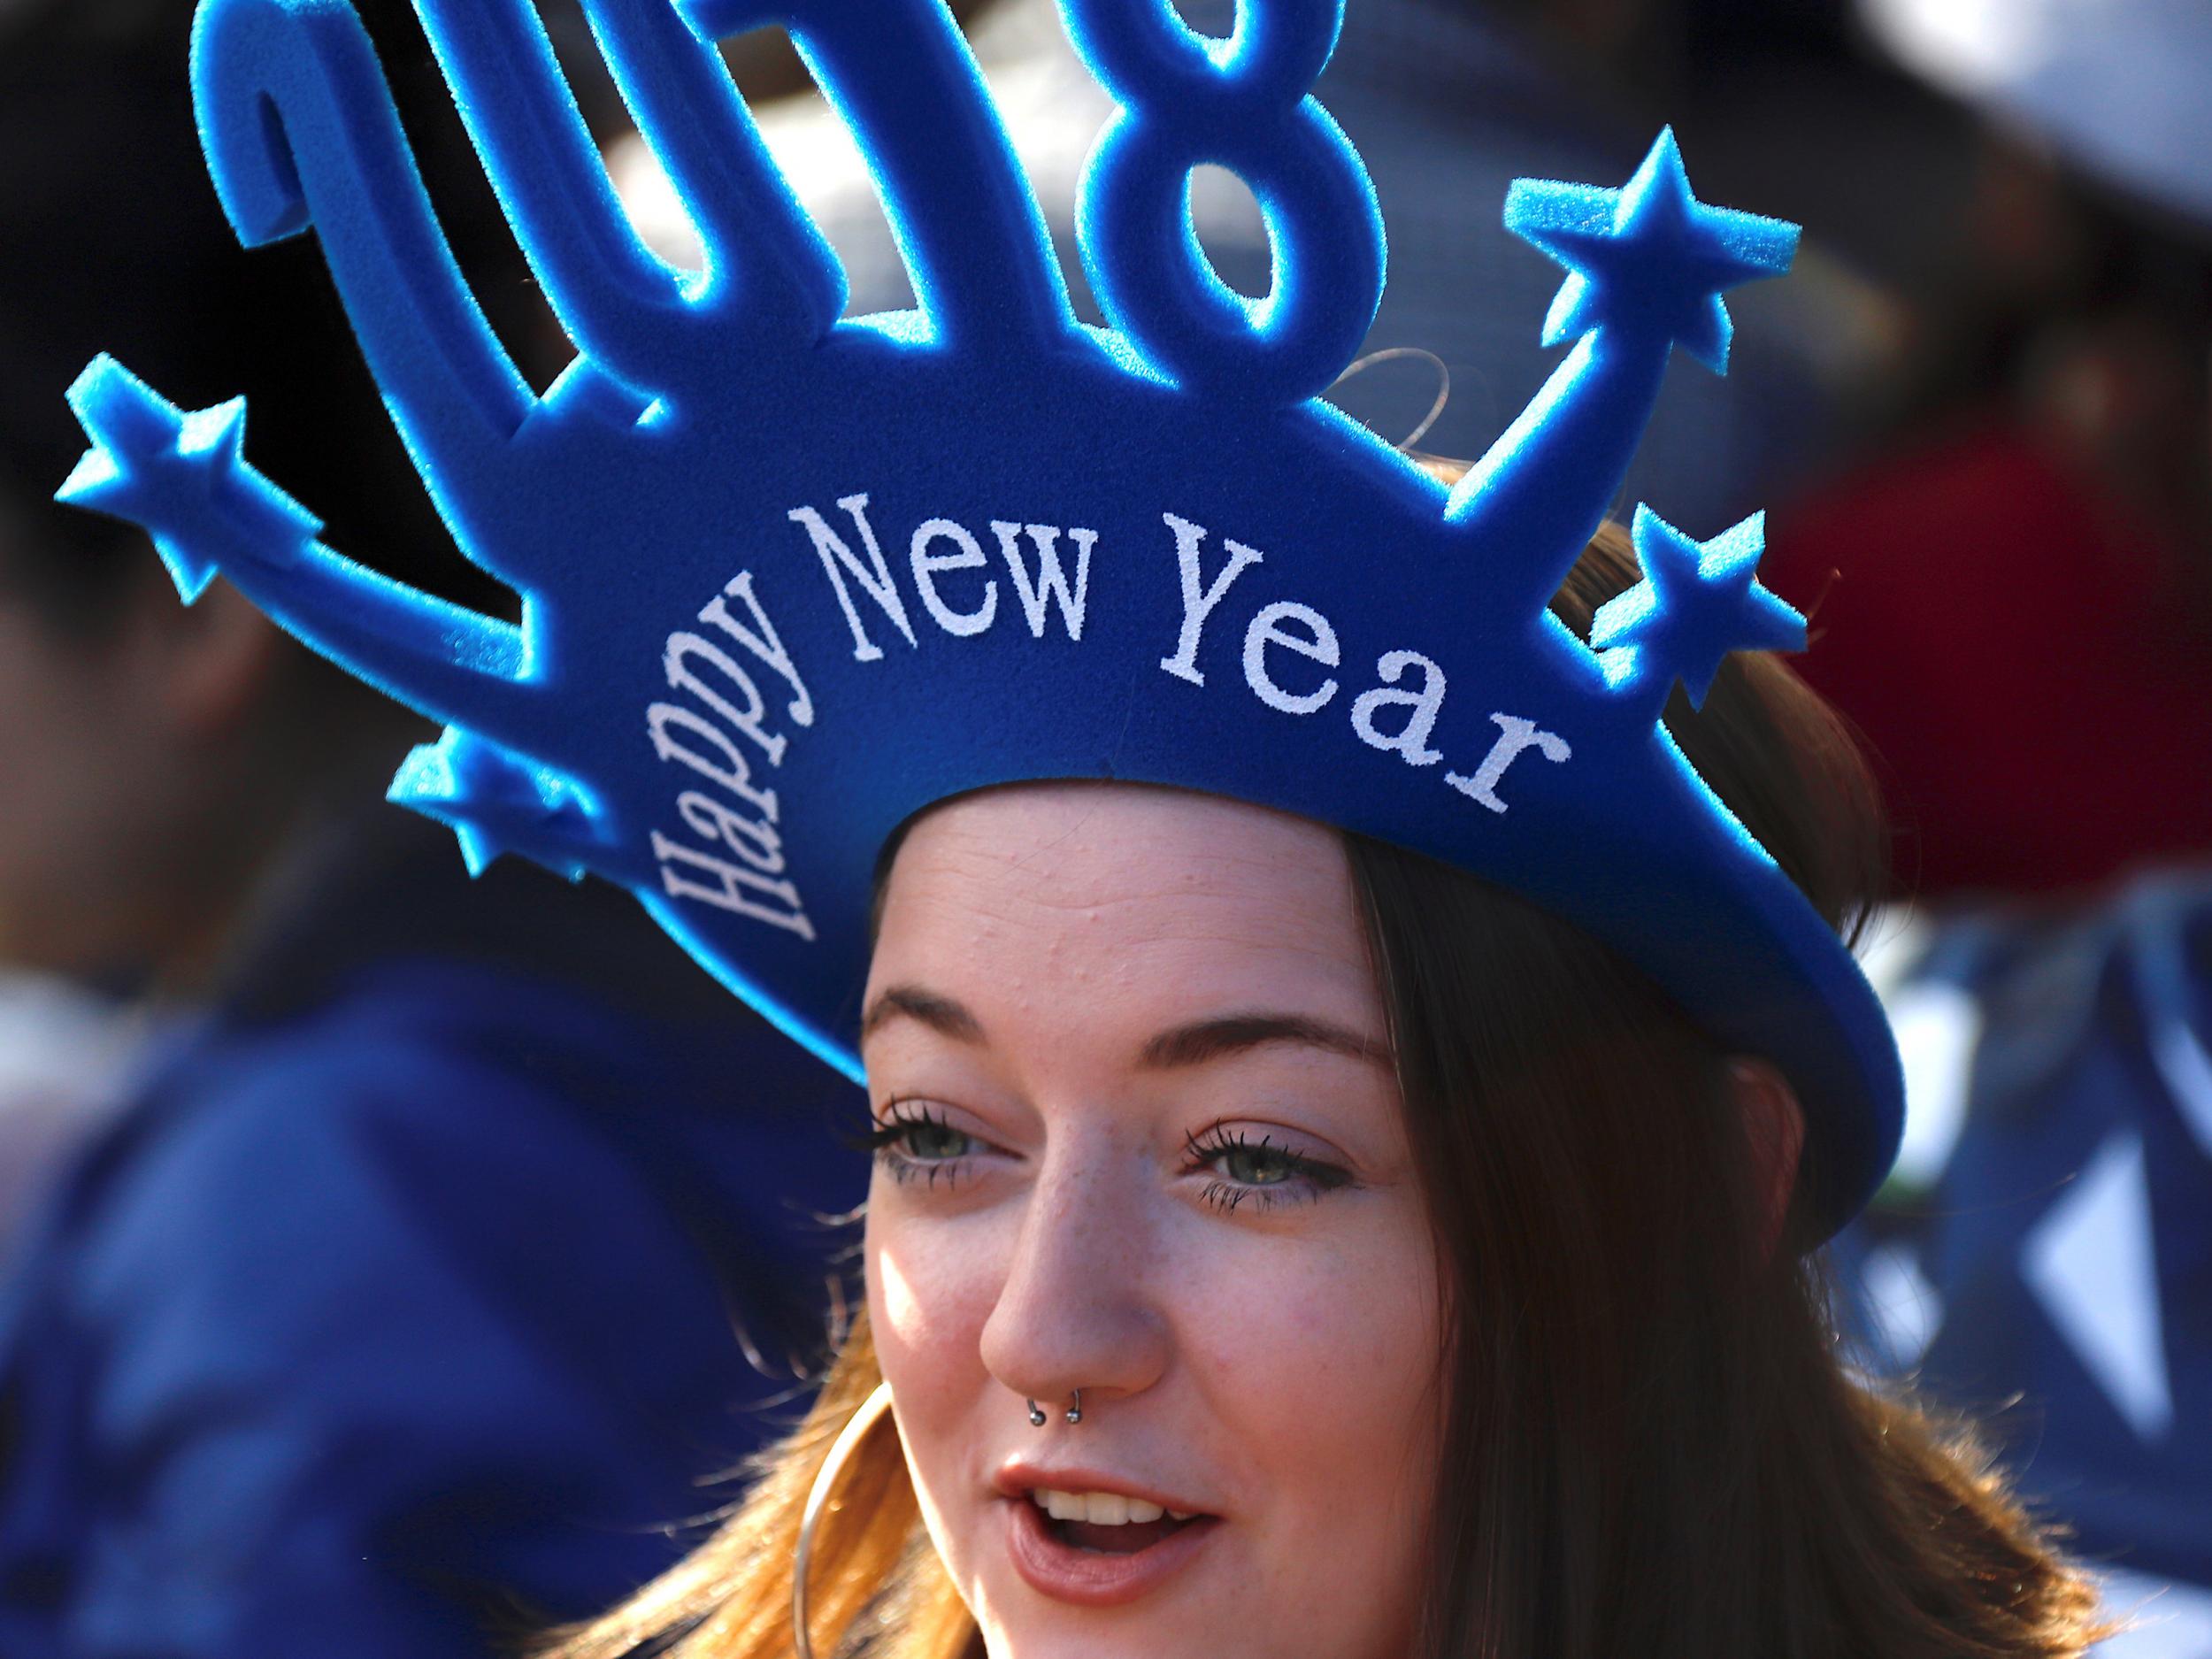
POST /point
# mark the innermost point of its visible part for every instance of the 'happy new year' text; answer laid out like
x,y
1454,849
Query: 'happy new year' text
x,y
1291,658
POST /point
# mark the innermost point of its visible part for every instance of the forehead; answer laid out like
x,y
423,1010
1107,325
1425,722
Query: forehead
x,y
1155,903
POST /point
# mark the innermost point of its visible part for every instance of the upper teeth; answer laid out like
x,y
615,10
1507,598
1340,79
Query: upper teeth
x,y
1100,1508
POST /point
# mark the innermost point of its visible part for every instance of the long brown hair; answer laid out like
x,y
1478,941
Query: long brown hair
x,y
1652,1446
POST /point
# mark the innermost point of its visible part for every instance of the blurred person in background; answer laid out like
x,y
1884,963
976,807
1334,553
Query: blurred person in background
x,y
2014,578
290,1360
2011,588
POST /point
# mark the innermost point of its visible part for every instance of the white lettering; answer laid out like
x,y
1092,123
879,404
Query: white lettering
x,y
736,776
1318,644
748,719
1517,734
756,843
1052,581
874,577
1199,603
960,624
730,883
1412,742
764,644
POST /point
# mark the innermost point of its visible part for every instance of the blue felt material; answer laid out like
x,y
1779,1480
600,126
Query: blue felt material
x,y
788,580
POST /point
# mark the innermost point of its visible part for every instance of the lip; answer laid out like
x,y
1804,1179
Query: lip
x,y
1086,1578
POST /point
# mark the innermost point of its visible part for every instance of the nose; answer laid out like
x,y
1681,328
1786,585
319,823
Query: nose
x,y
1077,1309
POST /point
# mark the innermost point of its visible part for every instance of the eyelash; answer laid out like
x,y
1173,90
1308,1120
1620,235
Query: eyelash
x,y
1305,1178
901,1119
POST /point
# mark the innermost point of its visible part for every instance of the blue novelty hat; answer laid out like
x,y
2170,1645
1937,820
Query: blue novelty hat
x,y
786,579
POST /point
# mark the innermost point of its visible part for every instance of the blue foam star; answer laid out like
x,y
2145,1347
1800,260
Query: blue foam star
x,y
1649,257
183,476
1698,601
496,802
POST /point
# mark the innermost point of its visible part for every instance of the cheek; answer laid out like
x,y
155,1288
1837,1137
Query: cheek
x,y
1317,1366
1340,1331
932,1285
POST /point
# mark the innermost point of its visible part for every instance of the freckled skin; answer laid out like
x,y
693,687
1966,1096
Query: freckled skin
x,y
1268,1364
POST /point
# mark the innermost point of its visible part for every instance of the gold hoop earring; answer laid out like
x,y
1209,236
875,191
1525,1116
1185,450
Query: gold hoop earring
x,y
818,1497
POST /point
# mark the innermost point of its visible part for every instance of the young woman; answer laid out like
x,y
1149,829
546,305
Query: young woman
x,y
1284,1244
1285,1240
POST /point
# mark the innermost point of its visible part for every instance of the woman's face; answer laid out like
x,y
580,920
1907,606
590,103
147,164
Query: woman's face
x,y
1139,1137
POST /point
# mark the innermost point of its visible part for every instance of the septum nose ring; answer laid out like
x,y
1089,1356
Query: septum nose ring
x,y
1074,1411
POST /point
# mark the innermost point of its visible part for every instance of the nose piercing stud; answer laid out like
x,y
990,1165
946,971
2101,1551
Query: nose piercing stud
x,y
1074,1413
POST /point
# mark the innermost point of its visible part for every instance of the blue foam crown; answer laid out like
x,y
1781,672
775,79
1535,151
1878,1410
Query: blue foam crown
x,y
787,577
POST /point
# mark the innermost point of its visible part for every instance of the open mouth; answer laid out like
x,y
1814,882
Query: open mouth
x,y
1102,1549
1106,1522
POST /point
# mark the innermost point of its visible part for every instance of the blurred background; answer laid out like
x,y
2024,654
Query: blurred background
x,y
290,1357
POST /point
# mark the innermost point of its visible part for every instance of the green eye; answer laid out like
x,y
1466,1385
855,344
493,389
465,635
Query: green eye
x,y
1258,1169
1257,1166
912,1137
929,1141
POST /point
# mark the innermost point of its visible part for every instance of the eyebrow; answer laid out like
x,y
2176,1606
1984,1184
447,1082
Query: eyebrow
x,y
1192,1045
1206,1040
940,1014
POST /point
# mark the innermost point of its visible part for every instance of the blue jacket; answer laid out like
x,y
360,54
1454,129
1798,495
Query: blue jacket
x,y
420,1296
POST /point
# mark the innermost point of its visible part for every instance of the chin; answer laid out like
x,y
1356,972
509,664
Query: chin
x,y
1063,1635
